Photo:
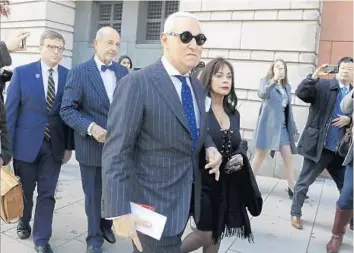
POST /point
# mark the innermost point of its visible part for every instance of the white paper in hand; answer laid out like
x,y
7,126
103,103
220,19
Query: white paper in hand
x,y
156,220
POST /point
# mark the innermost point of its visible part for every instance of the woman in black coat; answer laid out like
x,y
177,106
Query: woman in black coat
x,y
223,207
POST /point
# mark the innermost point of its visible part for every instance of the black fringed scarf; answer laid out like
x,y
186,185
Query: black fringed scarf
x,y
238,192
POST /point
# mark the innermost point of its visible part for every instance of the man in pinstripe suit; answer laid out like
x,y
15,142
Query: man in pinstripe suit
x,y
86,101
156,129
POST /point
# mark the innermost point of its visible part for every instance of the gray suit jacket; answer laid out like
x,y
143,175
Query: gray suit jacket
x,y
147,157
347,108
271,117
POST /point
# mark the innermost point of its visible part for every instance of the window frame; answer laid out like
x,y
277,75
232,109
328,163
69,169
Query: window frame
x,y
143,22
111,21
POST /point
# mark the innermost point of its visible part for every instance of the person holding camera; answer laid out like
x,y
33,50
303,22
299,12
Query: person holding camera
x,y
276,128
325,128
11,45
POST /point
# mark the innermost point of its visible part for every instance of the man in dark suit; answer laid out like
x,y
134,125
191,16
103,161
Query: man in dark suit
x,y
156,129
86,101
41,142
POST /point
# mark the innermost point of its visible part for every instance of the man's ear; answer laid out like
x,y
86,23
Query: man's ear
x,y
163,39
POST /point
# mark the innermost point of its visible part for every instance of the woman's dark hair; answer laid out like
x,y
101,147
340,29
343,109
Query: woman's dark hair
x,y
345,60
126,57
212,67
270,73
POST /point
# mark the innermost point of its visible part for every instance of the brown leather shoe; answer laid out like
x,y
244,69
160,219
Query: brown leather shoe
x,y
296,222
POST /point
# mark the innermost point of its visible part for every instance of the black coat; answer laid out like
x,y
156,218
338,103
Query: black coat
x,y
322,95
4,77
5,58
5,153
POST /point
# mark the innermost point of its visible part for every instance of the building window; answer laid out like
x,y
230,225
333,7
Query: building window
x,y
110,14
156,14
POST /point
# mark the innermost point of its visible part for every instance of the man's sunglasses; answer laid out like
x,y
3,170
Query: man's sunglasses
x,y
187,37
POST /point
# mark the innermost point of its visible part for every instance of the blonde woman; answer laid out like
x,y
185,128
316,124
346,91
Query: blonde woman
x,y
276,129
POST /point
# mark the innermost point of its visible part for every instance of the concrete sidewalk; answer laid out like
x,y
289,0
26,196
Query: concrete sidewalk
x,y
272,230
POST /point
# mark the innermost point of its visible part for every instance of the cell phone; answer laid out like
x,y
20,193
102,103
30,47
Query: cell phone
x,y
23,43
331,69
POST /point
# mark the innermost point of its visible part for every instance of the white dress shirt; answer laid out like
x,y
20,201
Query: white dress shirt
x,y
45,76
172,72
109,79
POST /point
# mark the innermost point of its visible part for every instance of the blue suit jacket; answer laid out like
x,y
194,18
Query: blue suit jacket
x,y
85,101
27,114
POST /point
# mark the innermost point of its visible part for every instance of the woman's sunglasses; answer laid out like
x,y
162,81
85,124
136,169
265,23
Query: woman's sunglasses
x,y
187,37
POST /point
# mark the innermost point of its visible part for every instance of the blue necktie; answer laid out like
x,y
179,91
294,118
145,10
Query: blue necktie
x,y
188,108
105,67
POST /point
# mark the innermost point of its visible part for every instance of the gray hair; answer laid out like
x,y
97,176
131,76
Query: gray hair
x,y
52,35
170,21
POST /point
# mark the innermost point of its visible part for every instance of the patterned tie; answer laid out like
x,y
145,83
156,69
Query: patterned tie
x,y
188,108
50,100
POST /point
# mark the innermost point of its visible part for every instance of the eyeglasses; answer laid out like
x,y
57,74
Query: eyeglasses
x,y
187,37
59,48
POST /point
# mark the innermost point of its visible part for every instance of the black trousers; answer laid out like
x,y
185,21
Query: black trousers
x,y
43,172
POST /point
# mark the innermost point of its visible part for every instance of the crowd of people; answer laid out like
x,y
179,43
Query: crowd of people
x,y
167,137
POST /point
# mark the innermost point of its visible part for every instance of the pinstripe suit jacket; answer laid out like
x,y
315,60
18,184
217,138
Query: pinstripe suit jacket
x,y
85,101
147,157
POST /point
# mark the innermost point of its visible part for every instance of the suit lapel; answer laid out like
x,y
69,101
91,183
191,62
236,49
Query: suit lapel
x,y
38,86
97,82
165,87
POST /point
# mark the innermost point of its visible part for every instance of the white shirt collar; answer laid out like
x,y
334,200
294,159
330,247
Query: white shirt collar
x,y
46,68
171,70
99,63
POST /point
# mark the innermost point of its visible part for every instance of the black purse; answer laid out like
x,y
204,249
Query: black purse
x,y
344,144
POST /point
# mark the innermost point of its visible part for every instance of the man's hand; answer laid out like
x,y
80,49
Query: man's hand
x,y
14,42
320,71
98,133
67,156
341,121
214,160
125,226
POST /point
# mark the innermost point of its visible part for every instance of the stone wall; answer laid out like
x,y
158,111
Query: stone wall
x,y
252,34
35,17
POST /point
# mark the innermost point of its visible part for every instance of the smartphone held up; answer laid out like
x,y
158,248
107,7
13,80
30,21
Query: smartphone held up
x,y
331,69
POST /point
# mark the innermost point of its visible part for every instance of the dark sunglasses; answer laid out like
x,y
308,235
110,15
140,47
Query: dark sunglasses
x,y
187,37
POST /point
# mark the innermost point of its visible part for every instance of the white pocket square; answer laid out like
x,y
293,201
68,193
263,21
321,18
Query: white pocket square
x,y
207,104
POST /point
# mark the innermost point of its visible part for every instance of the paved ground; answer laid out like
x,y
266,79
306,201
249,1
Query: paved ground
x,y
272,230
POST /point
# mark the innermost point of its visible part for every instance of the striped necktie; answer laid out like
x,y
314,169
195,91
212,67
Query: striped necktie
x,y
50,100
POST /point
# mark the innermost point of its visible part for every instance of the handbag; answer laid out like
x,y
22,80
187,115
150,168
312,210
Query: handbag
x,y
234,164
11,196
344,144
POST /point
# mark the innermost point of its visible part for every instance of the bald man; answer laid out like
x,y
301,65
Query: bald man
x,y
87,97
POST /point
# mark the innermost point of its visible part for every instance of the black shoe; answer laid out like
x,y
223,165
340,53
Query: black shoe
x,y
91,249
43,249
108,235
291,194
23,230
